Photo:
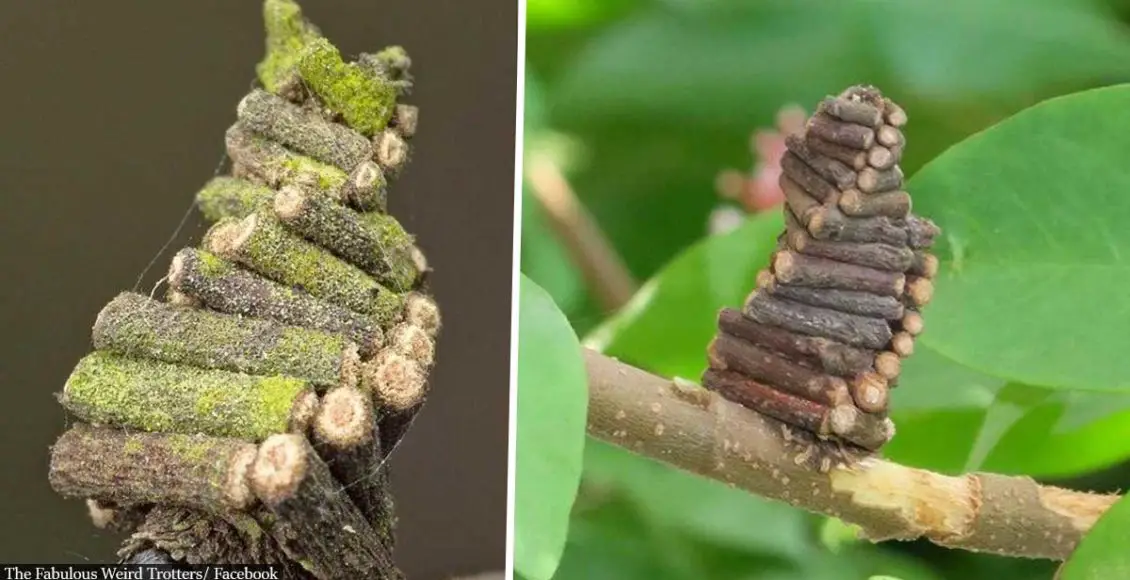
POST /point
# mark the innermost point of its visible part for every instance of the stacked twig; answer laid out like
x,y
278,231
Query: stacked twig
x,y
294,349
820,342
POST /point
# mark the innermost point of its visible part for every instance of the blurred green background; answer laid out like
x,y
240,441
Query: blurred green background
x,y
643,103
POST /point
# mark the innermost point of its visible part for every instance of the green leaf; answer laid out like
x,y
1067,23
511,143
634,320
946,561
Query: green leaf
x,y
552,408
1034,212
667,325
666,63
1103,553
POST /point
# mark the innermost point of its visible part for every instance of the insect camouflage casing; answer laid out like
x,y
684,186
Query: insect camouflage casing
x,y
221,425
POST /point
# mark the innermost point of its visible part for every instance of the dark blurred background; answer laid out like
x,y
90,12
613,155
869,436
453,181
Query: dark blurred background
x,y
113,114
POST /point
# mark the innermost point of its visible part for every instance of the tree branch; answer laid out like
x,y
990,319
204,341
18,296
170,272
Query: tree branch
x,y
696,430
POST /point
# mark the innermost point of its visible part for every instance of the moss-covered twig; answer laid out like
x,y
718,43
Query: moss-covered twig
x,y
226,196
374,242
225,287
137,468
261,243
315,522
136,325
303,130
110,389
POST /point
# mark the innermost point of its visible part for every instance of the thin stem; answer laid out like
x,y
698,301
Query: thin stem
x,y
603,269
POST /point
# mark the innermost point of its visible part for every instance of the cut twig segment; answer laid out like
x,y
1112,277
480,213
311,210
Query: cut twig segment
x,y
136,325
405,120
366,188
801,270
109,389
874,181
397,382
314,521
850,329
224,287
867,431
364,100
262,244
902,344
376,243
143,468
731,353
888,364
852,111
830,169
882,256
413,342
806,177
883,158
841,133
227,196
850,301
853,158
346,436
921,232
391,151
912,322
870,392
919,291
924,264
421,311
869,230
807,415
303,130
893,204
893,114
832,357
278,166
